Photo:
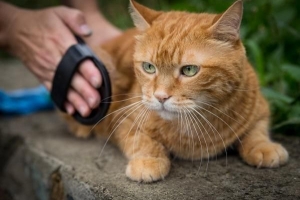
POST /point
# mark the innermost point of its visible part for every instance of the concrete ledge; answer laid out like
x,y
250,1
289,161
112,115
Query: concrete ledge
x,y
39,159
46,161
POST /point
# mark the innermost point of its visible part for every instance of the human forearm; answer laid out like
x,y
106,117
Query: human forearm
x,y
7,15
87,7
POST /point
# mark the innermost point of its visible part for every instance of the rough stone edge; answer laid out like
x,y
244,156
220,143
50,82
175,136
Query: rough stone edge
x,y
48,177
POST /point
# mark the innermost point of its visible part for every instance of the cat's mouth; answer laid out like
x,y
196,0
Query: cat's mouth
x,y
166,114
164,111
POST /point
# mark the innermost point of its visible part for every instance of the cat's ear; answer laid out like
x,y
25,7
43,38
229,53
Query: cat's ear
x,y
142,16
227,25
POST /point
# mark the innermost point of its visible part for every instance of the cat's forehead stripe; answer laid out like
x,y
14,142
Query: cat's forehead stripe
x,y
168,51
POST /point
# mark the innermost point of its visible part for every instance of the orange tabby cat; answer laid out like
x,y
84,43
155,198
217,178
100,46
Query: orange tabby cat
x,y
182,85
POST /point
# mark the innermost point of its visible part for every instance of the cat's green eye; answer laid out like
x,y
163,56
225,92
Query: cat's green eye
x,y
190,70
149,68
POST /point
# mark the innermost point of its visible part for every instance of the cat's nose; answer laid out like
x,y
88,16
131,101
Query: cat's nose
x,y
161,96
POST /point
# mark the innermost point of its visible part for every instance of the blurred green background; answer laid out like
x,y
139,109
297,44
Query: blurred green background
x,y
271,34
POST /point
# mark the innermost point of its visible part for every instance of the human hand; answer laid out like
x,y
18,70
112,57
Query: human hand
x,y
40,38
101,27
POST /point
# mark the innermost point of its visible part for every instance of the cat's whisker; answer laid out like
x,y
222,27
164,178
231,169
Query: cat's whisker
x,y
143,117
191,133
187,129
129,107
124,113
198,120
124,99
137,121
197,136
125,94
240,123
116,111
112,132
212,127
213,131
133,125
182,126
206,144
225,113
119,110
122,118
180,130
136,95
224,123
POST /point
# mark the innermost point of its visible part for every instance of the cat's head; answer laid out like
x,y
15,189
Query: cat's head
x,y
185,60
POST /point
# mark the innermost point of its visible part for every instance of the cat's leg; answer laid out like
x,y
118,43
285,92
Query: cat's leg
x,y
258,150
148,159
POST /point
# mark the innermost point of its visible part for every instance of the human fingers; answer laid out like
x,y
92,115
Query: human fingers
x,y
89,94
75,20
79,103
68,106
74,102
91,73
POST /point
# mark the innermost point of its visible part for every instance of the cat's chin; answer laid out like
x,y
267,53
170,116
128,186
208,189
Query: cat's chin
x,y
167,115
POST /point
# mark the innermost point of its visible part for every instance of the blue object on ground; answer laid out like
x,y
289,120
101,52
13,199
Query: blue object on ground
x,y
25,101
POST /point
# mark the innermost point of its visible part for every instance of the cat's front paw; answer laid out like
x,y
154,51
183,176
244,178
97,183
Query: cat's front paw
x,y
148,169
266,154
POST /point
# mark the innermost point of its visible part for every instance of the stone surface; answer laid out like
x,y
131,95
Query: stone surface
x,y
39,159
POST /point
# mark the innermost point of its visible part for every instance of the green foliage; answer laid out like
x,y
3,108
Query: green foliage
x,y
271,34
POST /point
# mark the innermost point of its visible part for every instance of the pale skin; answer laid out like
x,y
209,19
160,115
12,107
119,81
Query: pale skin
x,y
39,38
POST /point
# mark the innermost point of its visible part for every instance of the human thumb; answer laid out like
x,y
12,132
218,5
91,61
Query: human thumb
x,y
75,20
